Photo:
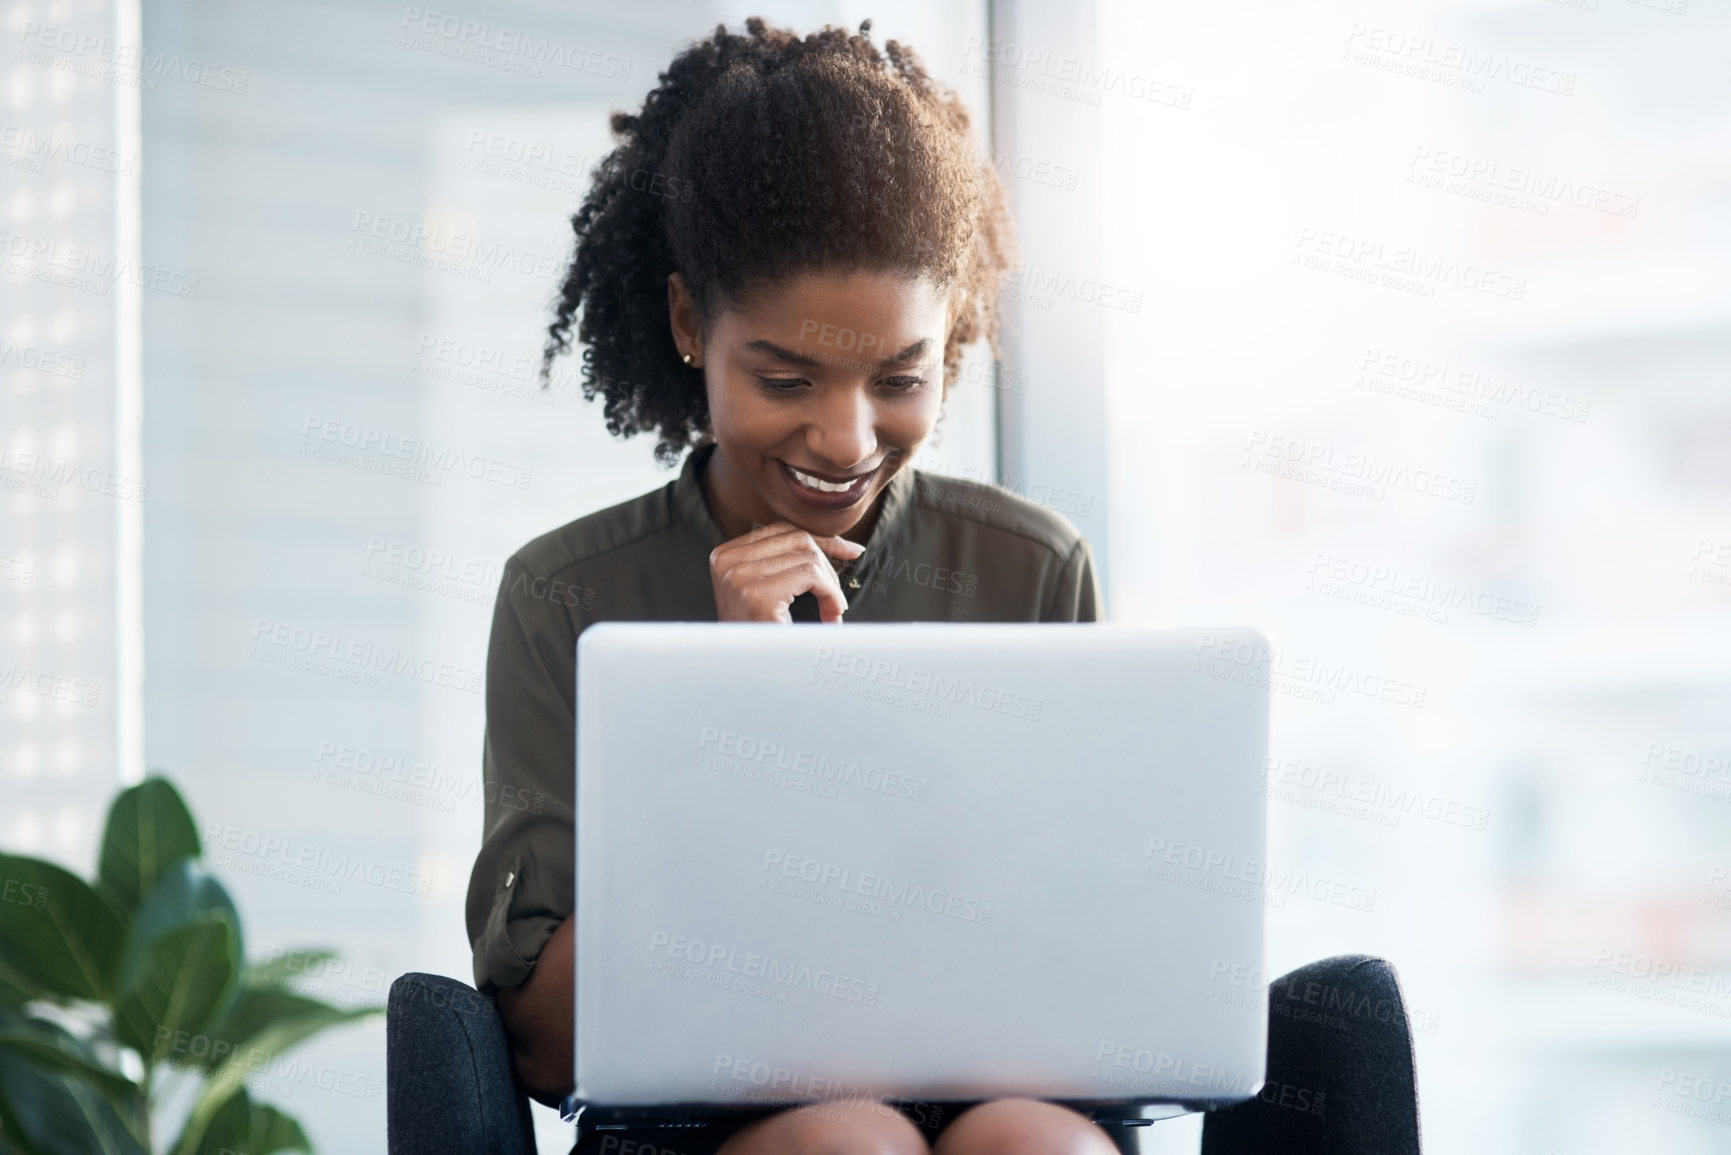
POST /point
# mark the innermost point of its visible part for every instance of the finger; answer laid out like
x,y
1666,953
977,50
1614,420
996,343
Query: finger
x,y
792,540
817,577
831,604
783,571
766,529
785,578
765,541
839,547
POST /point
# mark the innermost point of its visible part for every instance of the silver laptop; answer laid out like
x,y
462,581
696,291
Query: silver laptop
x,y
917,862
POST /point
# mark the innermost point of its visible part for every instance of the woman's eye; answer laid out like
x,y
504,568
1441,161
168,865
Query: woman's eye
x,y
781,384
904,384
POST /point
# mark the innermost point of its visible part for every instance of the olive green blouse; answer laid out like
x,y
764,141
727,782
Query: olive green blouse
x,y
942,549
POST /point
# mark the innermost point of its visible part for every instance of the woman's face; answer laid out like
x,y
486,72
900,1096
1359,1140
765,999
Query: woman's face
x,y
820,390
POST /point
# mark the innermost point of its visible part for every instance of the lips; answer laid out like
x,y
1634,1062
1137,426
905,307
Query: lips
x,y
825,492
827,483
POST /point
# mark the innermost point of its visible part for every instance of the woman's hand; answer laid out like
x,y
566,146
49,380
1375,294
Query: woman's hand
x,y
757,575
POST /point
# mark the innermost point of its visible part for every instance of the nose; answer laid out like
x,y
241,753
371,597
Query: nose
x,y
843,431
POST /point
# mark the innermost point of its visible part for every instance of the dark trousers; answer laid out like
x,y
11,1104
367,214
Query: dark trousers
x,y
1340,1076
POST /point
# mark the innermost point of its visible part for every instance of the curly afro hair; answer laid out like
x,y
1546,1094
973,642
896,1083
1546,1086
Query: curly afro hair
x,y
759,156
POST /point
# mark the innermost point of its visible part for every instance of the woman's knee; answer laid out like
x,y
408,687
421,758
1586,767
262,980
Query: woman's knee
x,y
830,1129
1015,1126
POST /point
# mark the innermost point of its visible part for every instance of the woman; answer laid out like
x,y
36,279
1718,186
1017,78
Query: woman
x,y
778,266
777,269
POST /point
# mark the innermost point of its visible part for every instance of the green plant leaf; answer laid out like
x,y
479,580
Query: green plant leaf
x,y
184,894
66,939
258,1012
15,989
48,1044
285,967
44,1111
263,1023
182,984
149,830
240,1125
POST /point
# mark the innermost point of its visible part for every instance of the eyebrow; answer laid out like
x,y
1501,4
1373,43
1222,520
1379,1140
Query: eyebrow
x,y
789,355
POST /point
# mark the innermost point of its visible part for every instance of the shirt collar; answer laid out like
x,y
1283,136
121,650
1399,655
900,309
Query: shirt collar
x,y
690,508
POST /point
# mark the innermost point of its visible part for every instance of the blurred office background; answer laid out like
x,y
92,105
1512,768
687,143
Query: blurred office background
x,y
1401,331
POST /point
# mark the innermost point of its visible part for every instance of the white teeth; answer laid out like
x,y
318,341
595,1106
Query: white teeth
x,y
820,484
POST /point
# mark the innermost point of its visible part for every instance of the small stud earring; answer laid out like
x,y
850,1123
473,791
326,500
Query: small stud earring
x,y
688,358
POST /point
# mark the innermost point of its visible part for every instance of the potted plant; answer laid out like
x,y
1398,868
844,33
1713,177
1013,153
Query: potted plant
x,y
117,992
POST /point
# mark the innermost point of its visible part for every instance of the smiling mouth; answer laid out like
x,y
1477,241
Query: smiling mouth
x,y
824,485
824,492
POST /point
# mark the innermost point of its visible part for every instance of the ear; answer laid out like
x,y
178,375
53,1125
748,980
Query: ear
x,y
682,316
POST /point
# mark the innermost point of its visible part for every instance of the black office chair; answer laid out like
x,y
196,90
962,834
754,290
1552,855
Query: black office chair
x,y
1340,1077
449,1085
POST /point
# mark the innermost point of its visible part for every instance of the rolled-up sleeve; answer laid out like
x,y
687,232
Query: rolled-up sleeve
x,y
521,887
1075,595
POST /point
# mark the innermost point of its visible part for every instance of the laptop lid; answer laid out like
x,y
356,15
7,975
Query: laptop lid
x,y
917,861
